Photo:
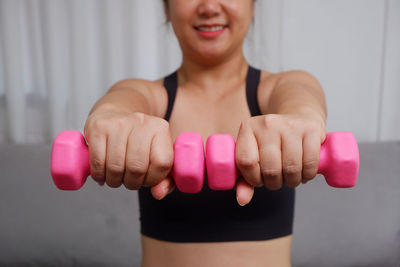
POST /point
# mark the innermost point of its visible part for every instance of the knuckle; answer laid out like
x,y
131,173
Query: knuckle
x,y
97,174
291,169
246,162
310,126
163,164
310,164
164,124
120,122
272,184
270,120
97,163
113,180
131,184
268,172
115,168
97,169
139,117
99,124
310,169
292,123
309,175
136,168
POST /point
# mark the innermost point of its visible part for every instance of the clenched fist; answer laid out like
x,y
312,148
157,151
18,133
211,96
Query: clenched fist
x,y
277,149
133,149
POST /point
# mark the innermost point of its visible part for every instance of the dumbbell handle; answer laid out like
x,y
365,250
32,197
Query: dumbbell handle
x,y
70,160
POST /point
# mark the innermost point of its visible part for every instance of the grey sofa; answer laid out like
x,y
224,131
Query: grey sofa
x,y
99,226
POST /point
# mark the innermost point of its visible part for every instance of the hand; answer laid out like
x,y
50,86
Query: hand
x,y
133,149
277,149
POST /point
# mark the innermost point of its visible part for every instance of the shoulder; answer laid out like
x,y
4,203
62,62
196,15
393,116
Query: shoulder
x,y
153,91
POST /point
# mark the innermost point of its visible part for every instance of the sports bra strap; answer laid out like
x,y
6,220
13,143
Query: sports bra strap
x,y
252,81
171,84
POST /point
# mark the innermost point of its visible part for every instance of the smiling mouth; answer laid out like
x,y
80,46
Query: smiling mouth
x,y
210,28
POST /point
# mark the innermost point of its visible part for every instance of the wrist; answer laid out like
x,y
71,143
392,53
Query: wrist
x,y
309,112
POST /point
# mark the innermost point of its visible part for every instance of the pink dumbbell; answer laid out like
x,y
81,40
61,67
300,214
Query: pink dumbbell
x,y
70,165
188,168
339,160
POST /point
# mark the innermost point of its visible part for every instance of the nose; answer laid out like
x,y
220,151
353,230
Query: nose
x,y
209,8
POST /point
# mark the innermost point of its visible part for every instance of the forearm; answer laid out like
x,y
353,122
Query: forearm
x,y
298,92
124,96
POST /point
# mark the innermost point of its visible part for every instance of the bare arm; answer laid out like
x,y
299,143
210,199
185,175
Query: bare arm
x,y
283,145
131,95
297,92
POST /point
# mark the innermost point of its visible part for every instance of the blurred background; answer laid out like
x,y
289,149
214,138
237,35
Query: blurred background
x,y
58,57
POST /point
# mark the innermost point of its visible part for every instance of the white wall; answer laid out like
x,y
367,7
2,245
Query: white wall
x,y
58,57
351,47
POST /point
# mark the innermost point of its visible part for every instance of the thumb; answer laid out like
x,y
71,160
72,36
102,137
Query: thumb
x,y
165,187
244,192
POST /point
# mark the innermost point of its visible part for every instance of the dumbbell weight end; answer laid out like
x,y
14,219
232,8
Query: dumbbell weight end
x,y
339,159
69,161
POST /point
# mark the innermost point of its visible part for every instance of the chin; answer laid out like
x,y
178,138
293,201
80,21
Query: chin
x,y
212,53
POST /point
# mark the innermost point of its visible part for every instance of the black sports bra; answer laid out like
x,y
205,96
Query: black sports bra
x,y
215,216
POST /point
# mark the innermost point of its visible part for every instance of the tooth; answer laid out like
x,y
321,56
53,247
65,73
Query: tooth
x,y
211,29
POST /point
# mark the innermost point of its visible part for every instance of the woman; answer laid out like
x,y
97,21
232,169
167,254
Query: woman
x,y
277,120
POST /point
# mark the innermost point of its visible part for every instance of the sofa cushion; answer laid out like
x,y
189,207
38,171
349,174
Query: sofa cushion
x,y
43,226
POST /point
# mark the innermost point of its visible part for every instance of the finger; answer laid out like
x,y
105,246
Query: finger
x,y
165,187
247,158
270,158
244,192
137,159
292,159
161,158
311,155
115,158
97,154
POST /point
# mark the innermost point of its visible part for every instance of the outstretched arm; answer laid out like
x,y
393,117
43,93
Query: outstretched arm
x,y
283,145
297,92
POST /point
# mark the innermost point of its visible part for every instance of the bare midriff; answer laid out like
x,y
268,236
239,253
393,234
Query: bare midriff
x,y
274,252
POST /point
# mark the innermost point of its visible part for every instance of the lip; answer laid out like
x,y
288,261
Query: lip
x,y
210,35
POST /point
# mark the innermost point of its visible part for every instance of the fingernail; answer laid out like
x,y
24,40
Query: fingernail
x,y
163,194
239,202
